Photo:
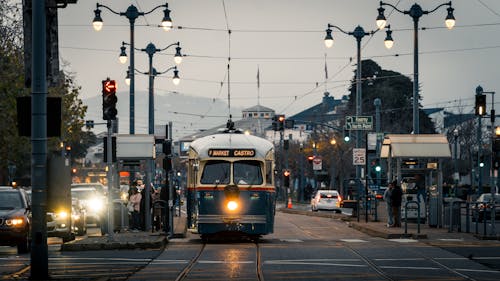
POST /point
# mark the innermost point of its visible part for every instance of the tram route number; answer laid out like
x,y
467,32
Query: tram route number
x,y
358,156
219,152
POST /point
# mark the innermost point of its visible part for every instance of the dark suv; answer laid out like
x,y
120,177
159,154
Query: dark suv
x,y
15,216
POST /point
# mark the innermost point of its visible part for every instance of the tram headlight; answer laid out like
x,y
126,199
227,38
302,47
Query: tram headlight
x,y
232,205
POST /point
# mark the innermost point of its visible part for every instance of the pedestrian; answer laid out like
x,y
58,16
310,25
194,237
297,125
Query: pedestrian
x,y
388,205
135,200
396,197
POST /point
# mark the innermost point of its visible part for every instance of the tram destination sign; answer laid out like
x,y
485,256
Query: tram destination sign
x,y
359,122
231,152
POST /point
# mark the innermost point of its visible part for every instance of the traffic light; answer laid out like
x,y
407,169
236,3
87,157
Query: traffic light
x,y
286,144
286,178
496,149
281,122
109,99
347,135
481,161
480,108
89,124
310,159
113,149
167,147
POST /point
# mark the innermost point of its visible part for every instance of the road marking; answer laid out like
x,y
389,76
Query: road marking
x,y
403,240
354,240
451,240
410,267
314,263
403,259
477,270
292,240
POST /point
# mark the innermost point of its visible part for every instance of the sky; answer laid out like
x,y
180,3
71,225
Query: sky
x,y
283,41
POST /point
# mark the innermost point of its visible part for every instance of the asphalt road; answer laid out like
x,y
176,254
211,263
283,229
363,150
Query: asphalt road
x,y
302,248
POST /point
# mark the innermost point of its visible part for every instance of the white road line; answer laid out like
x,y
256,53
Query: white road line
x,y
403,259
226,262
403,240
315,263
410,267
354,240
477,270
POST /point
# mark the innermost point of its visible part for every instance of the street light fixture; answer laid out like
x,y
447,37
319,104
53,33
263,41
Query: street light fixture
x,y
177,56
132,13
415,12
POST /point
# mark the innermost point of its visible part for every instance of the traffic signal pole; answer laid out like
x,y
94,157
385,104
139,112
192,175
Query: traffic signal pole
x,y
109,164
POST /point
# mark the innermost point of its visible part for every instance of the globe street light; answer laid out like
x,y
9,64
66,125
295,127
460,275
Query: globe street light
x,y
132,13
415,12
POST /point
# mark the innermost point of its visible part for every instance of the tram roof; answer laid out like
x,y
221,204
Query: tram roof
x,y
232,141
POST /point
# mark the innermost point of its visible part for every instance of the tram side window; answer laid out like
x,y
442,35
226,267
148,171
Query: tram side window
x,y
269,172
216,172
247,172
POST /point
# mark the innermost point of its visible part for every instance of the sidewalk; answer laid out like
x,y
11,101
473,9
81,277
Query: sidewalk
x,y
379,228
127,240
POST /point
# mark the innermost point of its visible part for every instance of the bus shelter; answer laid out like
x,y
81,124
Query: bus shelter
x,y
415,162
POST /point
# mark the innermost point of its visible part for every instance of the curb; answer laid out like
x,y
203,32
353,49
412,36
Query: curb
x,y
111,245
376,233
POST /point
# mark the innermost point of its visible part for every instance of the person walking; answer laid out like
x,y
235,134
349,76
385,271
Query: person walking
x,y
388,205
396,197
135,200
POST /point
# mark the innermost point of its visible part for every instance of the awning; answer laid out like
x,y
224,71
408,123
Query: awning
x,y
416,146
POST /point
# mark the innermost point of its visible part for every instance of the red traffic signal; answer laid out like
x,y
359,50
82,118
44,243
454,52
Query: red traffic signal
x,y
109,86
310,158
109,99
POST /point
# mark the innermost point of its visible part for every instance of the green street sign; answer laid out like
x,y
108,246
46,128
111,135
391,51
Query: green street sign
x,y
359,122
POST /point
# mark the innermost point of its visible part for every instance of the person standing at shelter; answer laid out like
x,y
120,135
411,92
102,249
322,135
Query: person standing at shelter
x,y
396,197
135,200
387,199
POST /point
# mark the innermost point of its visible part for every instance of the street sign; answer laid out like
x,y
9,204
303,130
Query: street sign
x,y
317,163
358,156
359,122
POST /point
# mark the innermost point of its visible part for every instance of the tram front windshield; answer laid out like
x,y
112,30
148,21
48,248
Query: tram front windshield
x,y
244,173
216,172
247,172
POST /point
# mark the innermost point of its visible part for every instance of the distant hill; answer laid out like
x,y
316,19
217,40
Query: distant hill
x,y
184,111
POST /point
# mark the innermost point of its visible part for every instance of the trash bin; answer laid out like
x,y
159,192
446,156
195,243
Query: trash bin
x,y
452,216
120,215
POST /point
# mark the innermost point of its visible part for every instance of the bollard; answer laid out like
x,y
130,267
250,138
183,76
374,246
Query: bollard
x,y
406,215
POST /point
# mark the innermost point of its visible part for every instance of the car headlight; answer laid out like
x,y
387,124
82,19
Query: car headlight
x,y
96,204
62,215
16,222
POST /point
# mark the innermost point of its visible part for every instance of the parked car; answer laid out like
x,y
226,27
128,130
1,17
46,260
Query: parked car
x,y
15,218
326,200
484,204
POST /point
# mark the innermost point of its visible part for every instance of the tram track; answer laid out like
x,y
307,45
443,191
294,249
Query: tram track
x,y
370,263
183,275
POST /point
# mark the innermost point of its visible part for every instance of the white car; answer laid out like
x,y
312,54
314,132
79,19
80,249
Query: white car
x,y
93,201
326,200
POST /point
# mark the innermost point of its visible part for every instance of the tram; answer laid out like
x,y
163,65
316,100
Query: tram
x,y
230,188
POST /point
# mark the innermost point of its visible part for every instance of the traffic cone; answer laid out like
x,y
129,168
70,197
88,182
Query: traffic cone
x,y
289,206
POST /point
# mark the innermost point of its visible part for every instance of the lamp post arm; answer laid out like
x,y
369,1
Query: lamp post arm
x,y
155,8
108,8
173,44
394,7
339,29
444,4
167,70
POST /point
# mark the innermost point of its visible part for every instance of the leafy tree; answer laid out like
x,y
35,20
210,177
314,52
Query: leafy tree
x,y
13,148
396,94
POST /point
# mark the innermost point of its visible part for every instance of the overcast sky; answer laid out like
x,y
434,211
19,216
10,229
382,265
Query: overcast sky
x,y
284,39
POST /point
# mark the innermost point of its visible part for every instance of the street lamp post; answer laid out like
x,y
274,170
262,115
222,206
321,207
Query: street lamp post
x,y
415,12
132,13
456,175
358,33
152,73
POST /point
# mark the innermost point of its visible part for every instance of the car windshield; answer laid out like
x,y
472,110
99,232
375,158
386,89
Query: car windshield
x,y
11,200
216,172
97,187
247,172
83,194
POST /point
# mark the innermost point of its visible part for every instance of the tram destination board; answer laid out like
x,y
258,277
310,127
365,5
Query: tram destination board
x,y
240,152
359,122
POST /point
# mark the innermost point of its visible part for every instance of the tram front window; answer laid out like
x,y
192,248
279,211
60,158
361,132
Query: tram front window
x,y
216,172
247,172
